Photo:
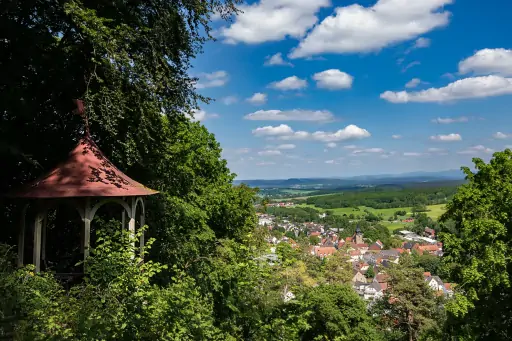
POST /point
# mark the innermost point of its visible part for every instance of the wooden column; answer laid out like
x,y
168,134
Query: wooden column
x,y
21,237
123,219
142,223
37,242
43,243
87,227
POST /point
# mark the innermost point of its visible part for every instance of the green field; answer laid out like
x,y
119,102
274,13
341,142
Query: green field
x,y
434,212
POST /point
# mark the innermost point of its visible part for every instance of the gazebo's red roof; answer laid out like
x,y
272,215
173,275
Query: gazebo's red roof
x,y
86,173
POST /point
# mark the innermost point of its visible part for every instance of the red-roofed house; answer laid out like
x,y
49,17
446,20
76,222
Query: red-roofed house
x,y
324,251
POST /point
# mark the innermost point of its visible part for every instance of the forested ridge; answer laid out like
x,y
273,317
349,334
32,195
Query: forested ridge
x,y
384,198
204,276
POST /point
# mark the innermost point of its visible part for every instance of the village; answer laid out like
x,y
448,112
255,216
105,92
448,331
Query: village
x,y
369,261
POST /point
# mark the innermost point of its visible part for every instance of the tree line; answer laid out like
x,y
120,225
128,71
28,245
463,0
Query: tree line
x,y
385,199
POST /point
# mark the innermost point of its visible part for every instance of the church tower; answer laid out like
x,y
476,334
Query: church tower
x,y
359,236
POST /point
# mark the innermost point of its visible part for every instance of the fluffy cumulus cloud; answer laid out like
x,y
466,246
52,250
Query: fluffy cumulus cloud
x,y
280,130
276,59
290,83
446,138
488,61
291,115
448,120
355,28
396,137
331,145
350,132
273,20
284,132
333,79
501,136
212,80
412,154
258,98
473,87
476,150
421,43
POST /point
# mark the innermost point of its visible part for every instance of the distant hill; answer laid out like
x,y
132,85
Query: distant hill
x,y
362,180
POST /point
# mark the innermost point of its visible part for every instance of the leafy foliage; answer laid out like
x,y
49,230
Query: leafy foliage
x,y
477,251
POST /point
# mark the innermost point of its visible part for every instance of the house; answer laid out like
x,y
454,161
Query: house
x,y
323,251
448,289
355,255
390,253
373,291
430,233
435,283
377,246
358,277
360,287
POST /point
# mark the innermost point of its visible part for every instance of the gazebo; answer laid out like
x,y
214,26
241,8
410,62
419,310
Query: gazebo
x,y
86,180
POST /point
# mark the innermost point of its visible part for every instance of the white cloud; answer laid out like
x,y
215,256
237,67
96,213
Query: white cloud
x,y
269,153
396,137
282,129
212,80
265,163
354,28
501,136
284,132
228,100
488,61
448,120
200,115
330,162
290,83
350,132
476,150
412,154
273,20
286,146
333,79
446,138
276,59
258,98
291,115
474,87
331,145
413,83
435,150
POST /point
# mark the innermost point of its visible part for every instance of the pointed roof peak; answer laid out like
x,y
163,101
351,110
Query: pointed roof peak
x,y
85,173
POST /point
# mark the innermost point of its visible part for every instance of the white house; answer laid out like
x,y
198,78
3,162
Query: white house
x,y
373,291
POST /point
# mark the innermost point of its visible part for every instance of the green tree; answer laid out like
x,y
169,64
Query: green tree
x,y
314,240
409,307
337,269
370,273
335,312
477,251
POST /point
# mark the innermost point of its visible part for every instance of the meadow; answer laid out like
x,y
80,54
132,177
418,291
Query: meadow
x,y
434,211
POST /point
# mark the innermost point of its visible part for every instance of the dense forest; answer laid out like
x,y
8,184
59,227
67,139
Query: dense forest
x,y
204,274
385,198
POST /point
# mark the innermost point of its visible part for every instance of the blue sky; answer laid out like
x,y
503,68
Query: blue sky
x,y
322,88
